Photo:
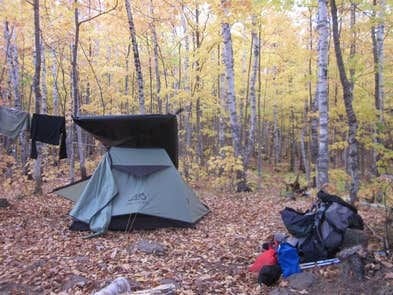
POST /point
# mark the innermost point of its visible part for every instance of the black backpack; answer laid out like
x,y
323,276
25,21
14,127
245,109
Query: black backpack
x,y
320,230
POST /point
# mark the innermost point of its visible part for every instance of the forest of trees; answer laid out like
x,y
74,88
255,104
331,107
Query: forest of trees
x,y
302,86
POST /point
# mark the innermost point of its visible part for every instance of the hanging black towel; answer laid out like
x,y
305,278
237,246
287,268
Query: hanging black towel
x,y
47,129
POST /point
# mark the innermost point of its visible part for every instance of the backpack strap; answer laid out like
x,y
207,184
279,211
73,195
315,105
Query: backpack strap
x,y
328,198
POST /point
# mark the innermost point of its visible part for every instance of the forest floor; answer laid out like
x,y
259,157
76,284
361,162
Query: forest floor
x,y
40,255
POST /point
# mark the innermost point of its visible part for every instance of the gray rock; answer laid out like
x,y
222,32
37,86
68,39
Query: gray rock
x,y
170,281
353,237
148,247
352,265
301,281
349,251
73,281
280,291
4,203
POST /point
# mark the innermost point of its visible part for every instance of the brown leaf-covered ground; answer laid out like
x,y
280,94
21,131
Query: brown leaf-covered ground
x,y
39,254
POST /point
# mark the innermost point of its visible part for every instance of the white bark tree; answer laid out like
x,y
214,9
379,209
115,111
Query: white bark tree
x,y
137,61
322,96
44,105
227,57
378,36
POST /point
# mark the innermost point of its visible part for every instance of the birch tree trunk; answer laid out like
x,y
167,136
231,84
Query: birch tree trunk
x,y
353,162
187,89
37,91
313,102
44,105
227,57
231,97
252,95
377,35
137,62
322,95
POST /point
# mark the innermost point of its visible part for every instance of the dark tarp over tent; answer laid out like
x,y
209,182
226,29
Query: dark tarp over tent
x,y
135,131
135,188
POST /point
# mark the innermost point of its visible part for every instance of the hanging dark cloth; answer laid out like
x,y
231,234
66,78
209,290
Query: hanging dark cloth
x,y
47,129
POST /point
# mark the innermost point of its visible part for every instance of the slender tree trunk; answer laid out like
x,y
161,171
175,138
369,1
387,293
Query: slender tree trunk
x,y
259,121
221,97
198,109
44,105
313,102
137,62
75,92
303,151
292,143
127,78
230,77
55,92
231,97
37,91
187,89
353,162
377,35
156,66
242,101
276,138
150,76
252,95
13,74
322,95
312,147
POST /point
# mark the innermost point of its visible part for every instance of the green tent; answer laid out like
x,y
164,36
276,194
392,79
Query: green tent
x,y
133,188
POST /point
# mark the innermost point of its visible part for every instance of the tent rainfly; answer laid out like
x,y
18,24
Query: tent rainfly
x,y
134,187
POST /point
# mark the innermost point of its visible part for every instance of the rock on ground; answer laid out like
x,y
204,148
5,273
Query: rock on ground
x,y
301,281
280,291
4,203
149,247
353,237
73,281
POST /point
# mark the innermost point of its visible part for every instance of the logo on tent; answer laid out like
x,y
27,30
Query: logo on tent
x,y
138,197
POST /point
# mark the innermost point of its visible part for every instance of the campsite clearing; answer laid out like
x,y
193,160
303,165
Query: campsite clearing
x,y
41,255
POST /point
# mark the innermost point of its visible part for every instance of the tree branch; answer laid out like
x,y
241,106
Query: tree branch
x,y
99,14
96,78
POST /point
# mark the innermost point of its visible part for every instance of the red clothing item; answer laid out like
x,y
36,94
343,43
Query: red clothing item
x,y
267,257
